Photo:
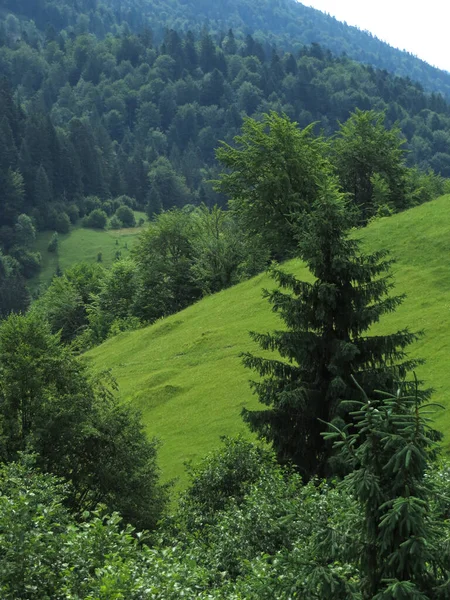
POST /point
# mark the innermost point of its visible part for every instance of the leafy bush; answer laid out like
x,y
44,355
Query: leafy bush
x,y
50,405
62,223
115,223
30,262
126,216
73,213
97,219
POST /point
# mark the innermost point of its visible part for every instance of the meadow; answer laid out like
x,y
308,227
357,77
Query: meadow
x,y
83,245
184,372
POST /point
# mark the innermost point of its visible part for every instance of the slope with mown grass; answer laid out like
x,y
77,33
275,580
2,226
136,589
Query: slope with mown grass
x,y
184,372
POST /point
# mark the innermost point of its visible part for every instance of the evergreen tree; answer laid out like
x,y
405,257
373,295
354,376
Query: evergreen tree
x,y
229,44
390,447
190,52
14,295
43,194
325,341
8,150
207,55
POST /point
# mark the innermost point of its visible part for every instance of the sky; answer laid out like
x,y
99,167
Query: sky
x,y
421,28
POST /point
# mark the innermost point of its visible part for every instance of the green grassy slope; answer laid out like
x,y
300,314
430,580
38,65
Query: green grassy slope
x,y
83,245
184,372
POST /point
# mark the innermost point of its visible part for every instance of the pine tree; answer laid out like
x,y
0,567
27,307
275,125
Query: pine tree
x,y
190,52
42,190
325,340
207,55
390,448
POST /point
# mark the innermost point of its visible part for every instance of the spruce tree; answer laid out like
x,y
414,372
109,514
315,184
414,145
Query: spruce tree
x,y
402,547
325,339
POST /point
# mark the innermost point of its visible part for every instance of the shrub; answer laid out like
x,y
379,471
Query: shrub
x,y
126,216
97,219
73,213
62,222
115,223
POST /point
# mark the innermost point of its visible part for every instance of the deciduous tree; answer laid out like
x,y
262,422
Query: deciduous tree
x,y
275,170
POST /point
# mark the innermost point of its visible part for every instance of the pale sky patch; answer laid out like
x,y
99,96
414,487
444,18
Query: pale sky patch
x,y
422,28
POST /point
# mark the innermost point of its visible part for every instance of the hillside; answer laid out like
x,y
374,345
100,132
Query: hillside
x,y
285,23
184,372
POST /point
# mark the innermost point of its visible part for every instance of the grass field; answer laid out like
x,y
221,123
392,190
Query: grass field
x,y
184,373
83,245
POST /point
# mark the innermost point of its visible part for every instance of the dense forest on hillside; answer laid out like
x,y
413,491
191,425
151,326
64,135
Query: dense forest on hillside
x,y
91,123
286,23
98,121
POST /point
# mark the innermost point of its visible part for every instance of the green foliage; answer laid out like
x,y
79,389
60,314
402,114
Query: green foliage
x,y
32,519
62,222
89,117
96,219
370,163
276,171
114,222
223,476
163,256
53,244
49,405
185,369
29,262
325,337
269,535
14,295
423,187
222,254
64,305
125,216
110,310
389,447
167,185
25,232
48,554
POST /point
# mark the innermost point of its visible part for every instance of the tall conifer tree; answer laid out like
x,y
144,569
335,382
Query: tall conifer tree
x,y
325,339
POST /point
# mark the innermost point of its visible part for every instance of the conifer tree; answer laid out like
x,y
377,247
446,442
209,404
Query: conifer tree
x,y
390,447
325,338
8,150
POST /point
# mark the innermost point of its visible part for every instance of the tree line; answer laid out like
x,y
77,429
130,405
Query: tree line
x,y
121,116
288,25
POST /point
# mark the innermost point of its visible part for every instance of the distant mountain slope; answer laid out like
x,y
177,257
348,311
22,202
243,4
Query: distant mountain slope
x,y
285,23
184,372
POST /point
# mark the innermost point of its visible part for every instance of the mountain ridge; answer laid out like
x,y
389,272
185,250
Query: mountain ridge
x,y
292,25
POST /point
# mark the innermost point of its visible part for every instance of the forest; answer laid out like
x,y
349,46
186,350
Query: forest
x,y
243,150
93,124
